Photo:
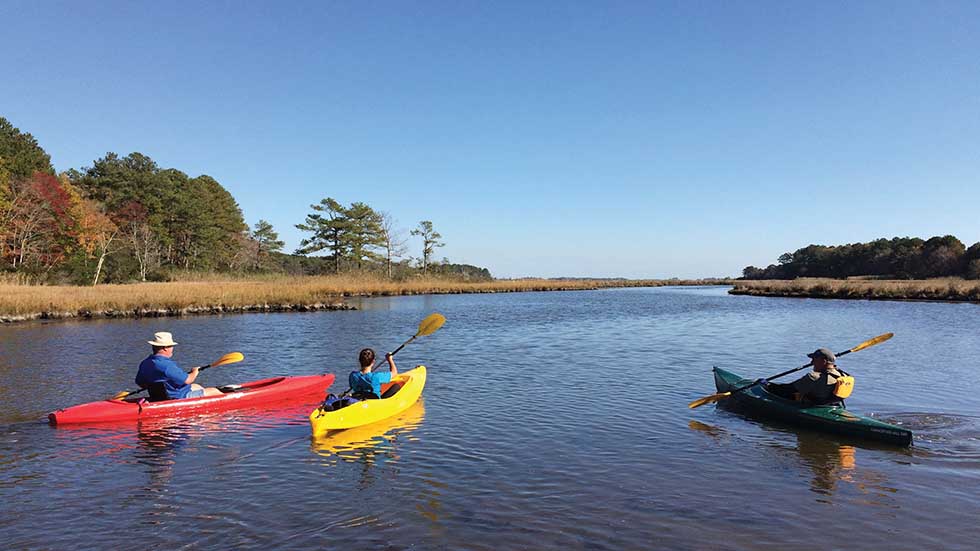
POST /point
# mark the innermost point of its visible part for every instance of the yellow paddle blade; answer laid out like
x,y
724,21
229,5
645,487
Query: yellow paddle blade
x,y
431,324
709,399
120,395
230,358
871,342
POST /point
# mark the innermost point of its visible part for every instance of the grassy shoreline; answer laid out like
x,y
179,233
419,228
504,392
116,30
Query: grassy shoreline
x,y
943,290
221,295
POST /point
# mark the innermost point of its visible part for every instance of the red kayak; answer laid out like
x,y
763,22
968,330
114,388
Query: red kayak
x,y
255,393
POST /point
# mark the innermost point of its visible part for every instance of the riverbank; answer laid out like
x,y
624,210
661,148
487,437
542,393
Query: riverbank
x,y
261,294
947,289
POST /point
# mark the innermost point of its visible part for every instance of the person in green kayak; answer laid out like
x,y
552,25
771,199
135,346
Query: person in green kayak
x,y
816,387
159,374
365,384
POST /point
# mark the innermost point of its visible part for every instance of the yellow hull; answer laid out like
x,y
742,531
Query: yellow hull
x,y
364,442
372,411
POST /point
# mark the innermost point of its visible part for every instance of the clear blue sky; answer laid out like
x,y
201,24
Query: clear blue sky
x,y
636,139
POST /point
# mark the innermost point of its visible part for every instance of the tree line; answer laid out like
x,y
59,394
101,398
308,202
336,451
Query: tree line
x,y
895,258
126,219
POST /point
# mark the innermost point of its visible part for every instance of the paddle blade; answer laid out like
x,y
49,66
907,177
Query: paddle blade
x,y
709,399
230,358
877,340
121,395
431,324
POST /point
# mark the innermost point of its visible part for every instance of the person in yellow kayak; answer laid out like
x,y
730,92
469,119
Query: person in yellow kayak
x,y
159,374
816,387
366,384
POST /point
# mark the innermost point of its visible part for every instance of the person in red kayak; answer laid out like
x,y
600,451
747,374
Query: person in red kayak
x,y
366,384
163,378
816,387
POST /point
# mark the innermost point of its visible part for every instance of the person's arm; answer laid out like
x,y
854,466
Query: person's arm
x,y
177,376
805,384
391,364
192,376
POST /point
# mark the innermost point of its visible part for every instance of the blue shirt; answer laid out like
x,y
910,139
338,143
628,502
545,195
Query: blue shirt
x,y
368,382
161,369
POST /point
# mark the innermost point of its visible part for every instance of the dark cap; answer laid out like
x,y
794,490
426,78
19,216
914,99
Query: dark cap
x,y
824,353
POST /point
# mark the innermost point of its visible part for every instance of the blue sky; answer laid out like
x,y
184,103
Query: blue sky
x,y
634,139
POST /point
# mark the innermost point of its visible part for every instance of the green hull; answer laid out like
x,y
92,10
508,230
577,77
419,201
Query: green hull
x,y
835,419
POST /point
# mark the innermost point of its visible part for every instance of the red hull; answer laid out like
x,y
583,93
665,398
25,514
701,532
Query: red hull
x,y
256,393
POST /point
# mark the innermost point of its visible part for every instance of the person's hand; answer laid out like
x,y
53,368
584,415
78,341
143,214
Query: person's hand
x,y
762,382
389,356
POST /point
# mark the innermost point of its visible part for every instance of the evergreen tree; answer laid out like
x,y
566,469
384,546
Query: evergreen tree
x,y
351,234
430,240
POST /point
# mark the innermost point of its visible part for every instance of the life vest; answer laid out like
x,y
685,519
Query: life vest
x,y
844,386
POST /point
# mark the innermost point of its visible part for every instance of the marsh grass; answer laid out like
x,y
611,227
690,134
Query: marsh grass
x,y
264,292
944,289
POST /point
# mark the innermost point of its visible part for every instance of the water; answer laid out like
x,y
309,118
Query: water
x,y
549,420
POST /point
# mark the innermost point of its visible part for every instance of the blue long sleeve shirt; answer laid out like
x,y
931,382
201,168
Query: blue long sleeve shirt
x,y
161,369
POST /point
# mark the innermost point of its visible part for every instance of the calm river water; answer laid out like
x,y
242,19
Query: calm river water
x,y
549,421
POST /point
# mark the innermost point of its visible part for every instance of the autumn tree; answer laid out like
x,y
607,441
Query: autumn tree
x,y
97,235
41,225
20,158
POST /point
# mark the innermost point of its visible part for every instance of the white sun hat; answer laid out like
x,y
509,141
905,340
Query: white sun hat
x,y
162,339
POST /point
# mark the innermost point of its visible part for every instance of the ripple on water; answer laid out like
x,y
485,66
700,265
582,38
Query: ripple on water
x,y
953,439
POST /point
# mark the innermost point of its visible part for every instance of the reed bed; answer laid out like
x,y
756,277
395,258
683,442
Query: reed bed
x,y
945,289
266,293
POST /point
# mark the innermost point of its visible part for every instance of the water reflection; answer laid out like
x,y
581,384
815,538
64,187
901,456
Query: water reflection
x,y
716,433
835,464
830,462
158,447
370,443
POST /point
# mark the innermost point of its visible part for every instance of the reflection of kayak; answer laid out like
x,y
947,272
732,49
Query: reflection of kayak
x,y
256,393
370,411
370,436
834,419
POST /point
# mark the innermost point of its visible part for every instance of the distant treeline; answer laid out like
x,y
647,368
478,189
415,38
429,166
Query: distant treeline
x,y
126,219
896,258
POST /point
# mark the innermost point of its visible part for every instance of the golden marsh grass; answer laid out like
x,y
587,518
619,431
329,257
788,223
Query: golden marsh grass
x,y
18,301
945,289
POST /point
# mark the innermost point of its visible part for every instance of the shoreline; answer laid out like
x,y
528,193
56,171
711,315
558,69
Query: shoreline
x,y
927,290
21,303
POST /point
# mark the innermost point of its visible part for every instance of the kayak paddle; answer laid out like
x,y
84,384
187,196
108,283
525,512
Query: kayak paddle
x,y
428,326
230,358
715,397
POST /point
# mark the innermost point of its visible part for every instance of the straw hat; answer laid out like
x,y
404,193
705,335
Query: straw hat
x,y
162,339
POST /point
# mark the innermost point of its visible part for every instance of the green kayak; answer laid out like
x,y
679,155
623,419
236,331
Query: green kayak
x,y
834,419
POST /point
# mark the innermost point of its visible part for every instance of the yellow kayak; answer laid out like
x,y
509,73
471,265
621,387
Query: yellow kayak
x,y
364,442
371,411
